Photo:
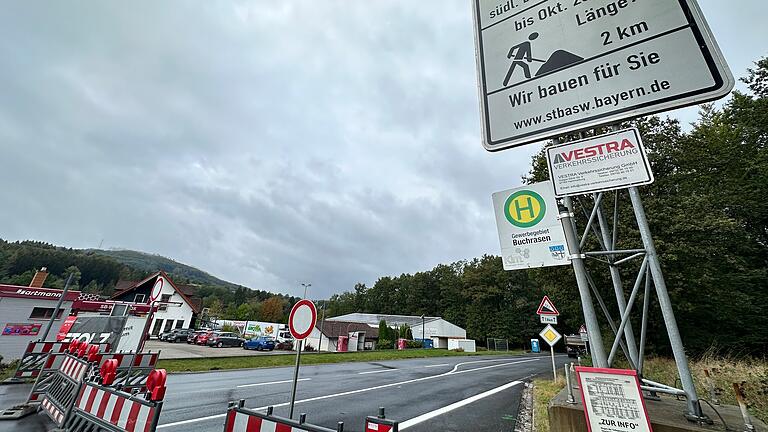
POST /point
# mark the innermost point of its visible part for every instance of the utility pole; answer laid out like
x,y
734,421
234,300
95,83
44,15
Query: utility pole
x,y
57,308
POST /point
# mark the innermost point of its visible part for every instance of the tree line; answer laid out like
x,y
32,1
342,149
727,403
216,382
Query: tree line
x,y
708,212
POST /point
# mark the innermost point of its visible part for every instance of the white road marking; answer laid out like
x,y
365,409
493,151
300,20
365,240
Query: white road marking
x,y
437,365
363,390
377,371
440,411
272,382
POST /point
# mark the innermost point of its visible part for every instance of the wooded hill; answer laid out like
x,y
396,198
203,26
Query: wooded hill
x,y
97,271
708,211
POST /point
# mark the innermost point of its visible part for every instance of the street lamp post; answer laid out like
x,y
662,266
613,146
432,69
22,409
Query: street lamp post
x,y
306,285
422,331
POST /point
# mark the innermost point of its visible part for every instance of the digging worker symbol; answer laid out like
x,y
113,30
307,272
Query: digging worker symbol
x,y
523,56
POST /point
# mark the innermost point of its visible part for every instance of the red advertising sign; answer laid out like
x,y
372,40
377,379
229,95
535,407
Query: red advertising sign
x,y
21,329
65,326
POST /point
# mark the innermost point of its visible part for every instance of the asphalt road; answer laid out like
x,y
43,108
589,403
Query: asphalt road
x,y
447,394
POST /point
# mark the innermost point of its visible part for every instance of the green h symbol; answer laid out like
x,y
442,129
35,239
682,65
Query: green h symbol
x,y
529,208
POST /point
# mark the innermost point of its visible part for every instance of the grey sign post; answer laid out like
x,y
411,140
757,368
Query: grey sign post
x,y
300,322
547,68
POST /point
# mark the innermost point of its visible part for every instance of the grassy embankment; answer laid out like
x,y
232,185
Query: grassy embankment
x,y
264,361
724,371
543,391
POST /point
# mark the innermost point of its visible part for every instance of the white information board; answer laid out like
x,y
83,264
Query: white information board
x,y
612,161
612,400
529,232
548,67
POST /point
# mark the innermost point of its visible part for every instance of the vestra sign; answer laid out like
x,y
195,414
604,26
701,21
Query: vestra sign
x,y
601,149
607,162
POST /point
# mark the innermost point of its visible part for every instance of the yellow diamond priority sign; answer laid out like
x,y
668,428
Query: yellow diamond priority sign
x,y
550,335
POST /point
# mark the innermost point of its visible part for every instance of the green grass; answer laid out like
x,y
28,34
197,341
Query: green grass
x,y
7,370
265,361
543,391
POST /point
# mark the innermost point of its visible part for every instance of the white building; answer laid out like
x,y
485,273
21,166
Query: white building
x,y
359,336
177,305
435,328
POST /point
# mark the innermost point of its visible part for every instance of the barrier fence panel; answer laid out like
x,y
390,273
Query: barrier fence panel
x,y
132,370
380,424
102,409
242,419
34,359
46,374
64,387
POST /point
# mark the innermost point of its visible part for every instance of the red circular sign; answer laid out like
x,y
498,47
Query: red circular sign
x,y
302,319
156,289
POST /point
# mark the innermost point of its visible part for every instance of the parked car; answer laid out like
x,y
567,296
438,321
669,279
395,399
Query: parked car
x,y
202,338
176,335
192,338
260,343
222,339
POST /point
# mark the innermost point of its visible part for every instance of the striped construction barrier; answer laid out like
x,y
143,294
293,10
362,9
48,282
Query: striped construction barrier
x,y
52,364
375,424
64,387
34,359
242,419
102,409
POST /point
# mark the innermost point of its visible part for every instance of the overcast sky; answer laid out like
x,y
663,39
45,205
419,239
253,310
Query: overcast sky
x,y
268,143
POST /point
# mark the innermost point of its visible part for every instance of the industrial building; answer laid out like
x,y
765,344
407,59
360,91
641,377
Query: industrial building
x,y
25,311
435,328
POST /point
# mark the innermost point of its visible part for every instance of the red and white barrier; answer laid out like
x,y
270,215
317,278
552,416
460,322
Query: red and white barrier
x,y
241,419
380,424
53,411
116,408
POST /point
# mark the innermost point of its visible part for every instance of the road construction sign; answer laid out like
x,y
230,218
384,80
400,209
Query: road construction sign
x,y
550,335
546,307
613,161
583,333
546,68
529,232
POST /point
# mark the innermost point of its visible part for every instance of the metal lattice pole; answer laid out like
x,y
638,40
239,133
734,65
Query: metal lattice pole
x,y
675,341
579,269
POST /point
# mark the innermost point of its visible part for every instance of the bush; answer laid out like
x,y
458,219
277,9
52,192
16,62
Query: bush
x,y
458,350
385,344
309,348
414,344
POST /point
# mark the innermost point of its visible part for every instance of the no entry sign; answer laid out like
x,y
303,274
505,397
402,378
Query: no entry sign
x,y
549,67
302,319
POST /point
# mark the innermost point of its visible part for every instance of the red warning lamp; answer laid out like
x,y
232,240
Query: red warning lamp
x,y
108,371
156,384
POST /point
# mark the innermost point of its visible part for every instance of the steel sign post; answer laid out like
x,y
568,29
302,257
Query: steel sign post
x,y
548,68
551,336
300,323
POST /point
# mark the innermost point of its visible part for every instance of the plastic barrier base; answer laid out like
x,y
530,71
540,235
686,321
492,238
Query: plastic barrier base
x,y
17,412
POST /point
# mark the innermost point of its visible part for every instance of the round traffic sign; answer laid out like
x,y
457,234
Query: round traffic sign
x,y
156,289
302,319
